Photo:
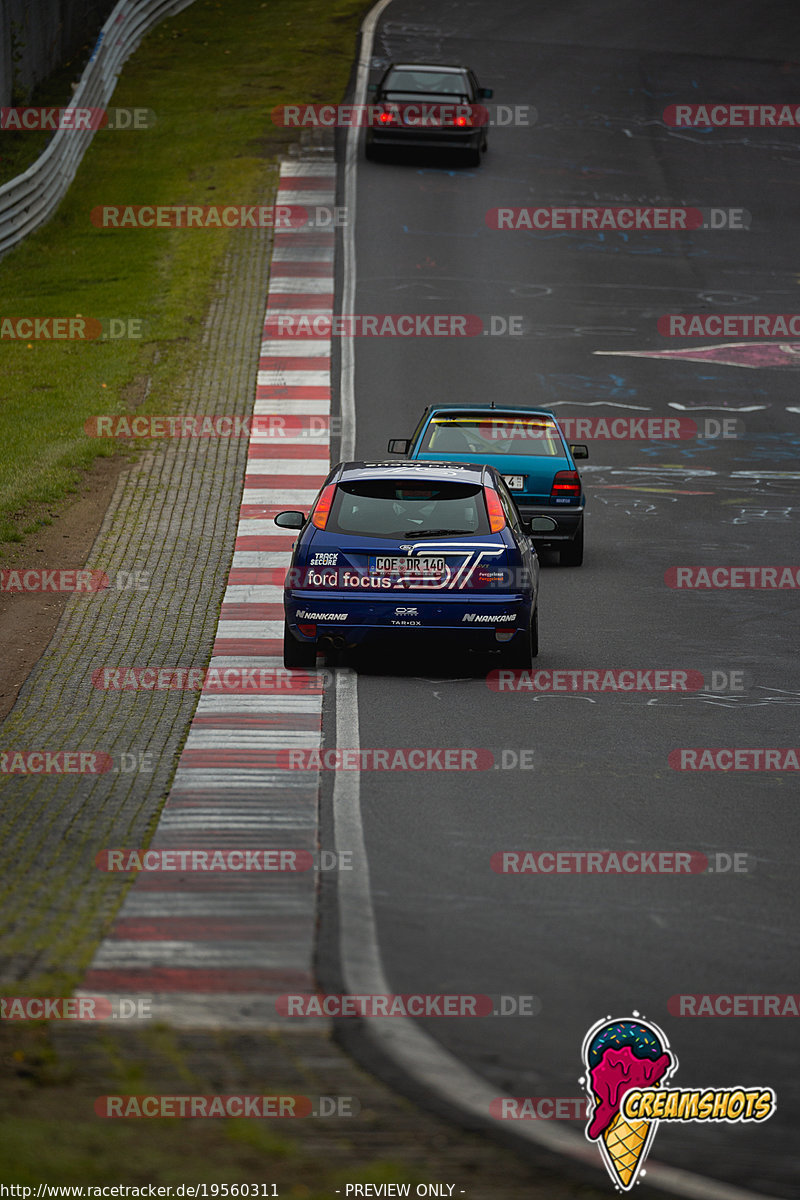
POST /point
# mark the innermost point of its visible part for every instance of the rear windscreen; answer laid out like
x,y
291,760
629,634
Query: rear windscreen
x,y
531,436
408,508
434,82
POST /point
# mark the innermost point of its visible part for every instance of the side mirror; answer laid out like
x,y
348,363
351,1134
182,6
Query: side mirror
x,y
579,451
290,519
399,446
485,93
542,525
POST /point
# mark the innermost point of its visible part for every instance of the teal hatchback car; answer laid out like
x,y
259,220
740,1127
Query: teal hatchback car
x,y
526,446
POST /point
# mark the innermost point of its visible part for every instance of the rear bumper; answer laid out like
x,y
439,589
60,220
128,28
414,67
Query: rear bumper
x,y
344,620
442,139
568,523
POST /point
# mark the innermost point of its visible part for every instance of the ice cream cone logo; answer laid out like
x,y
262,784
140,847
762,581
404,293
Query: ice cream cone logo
x,y
619,1055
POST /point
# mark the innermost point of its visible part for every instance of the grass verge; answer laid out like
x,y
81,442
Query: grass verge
x,y
212,75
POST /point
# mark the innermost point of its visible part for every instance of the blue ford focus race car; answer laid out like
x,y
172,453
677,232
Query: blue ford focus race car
x,y
527,447
411,551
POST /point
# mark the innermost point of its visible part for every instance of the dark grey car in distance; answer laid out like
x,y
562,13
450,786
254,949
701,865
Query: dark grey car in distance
x,y
426,105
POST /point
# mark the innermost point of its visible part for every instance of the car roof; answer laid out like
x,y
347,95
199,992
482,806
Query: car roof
x,y
412,469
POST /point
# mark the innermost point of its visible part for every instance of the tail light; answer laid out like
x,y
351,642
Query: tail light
x,y
308,630
322,508
566,483
387,116
463,122
497,518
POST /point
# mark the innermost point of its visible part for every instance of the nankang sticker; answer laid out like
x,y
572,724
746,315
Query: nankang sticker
x,y
303,615
488,618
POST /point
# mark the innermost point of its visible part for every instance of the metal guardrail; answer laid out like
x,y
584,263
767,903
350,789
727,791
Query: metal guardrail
x,y
30,199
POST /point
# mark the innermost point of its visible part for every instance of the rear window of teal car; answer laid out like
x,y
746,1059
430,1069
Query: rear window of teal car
x,y
530,436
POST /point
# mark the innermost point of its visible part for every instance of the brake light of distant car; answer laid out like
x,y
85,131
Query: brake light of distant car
x,y
462,121
387,116
322,508
566,483
497,518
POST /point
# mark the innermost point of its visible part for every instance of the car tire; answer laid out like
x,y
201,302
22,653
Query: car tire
x,y
298,656
521,651
472,158
535,632
572,555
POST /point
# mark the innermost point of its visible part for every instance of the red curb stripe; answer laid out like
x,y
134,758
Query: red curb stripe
x,y
255,512
314,300
251,612
302,270
283,449
222,883
288,685
292,363
240,757
244,720
282,483
282,426
264,575
285,391
209,929
252,541
305,238
249,648
194,980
